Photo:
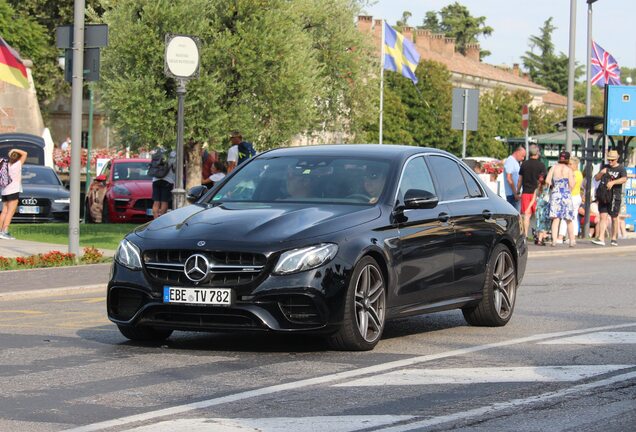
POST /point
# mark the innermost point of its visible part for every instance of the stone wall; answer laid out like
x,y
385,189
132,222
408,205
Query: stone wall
x,y
19,109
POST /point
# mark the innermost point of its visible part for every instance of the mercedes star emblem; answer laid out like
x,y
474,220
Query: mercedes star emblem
x,y
197,267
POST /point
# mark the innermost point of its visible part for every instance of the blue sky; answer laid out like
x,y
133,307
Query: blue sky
x,y
514,21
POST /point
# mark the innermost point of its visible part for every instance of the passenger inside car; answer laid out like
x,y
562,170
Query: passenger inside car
x,y
374,179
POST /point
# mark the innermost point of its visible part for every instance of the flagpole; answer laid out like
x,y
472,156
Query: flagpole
x,y
381,81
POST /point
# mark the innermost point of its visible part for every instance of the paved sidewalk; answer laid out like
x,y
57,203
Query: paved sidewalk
x,y
17,248
582,247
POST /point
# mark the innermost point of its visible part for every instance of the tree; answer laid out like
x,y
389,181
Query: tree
x,y
273,71
456,21
545,67
401,23
49,14
628,73
419,115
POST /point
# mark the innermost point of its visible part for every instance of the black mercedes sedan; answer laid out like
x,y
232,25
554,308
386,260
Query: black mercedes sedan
x,y
332,240
44,198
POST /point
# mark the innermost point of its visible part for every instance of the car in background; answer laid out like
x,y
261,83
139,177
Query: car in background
x,y
44,198
35,146
121,193
332,240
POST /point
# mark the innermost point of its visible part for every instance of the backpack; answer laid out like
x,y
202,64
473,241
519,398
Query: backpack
x,y
603,194
245,151
5,178
159,166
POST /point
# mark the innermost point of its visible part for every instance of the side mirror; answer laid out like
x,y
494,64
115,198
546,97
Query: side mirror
x,y
101,178
420,199
195,193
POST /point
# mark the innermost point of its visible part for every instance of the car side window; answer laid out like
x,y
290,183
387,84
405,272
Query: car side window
x,y
474,191
416,176
449,178
106,170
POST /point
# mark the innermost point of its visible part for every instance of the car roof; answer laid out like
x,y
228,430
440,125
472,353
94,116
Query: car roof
x,y
122,160
390,151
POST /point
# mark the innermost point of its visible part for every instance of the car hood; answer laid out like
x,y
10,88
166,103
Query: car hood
x,y
138,188
45,191
258,223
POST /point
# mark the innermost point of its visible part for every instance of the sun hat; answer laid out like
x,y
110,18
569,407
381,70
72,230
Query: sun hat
x,y
612,155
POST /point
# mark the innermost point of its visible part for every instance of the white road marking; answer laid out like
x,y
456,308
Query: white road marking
x,y
501,406
275,424
179,409
407,377
600,338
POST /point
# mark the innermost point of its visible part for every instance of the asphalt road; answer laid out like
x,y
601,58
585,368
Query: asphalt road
x,y
566,361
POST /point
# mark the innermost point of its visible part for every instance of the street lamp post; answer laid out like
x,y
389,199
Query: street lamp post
x,y
571,68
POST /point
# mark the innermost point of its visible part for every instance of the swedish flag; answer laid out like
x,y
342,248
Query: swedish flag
x,y
400,55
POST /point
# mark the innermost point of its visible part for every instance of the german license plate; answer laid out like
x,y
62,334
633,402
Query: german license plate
x,y
149,212
204,296
29,209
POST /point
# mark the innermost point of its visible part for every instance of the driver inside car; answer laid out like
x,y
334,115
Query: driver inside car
x,y
374,179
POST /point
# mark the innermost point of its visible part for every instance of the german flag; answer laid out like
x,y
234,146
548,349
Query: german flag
x,y
12,69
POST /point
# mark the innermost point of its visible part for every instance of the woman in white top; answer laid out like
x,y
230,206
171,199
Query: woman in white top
x,y
217,171
11,192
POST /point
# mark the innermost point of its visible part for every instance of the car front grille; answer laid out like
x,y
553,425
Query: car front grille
x,y
142,204
226,268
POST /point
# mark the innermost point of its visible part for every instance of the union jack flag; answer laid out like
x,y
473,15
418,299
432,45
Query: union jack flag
x,y
605,69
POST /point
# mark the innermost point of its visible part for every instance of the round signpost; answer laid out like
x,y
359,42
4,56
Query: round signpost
x,y
182,64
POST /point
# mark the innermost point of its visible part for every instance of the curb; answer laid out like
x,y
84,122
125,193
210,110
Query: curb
x,y
596,250
53,268
13,295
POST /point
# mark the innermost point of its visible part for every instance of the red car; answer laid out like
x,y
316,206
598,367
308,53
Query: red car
x,y
121,193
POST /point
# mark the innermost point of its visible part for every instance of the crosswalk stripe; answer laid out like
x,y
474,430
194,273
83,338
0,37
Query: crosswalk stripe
x,y
599,338
328,379
276,424
408,377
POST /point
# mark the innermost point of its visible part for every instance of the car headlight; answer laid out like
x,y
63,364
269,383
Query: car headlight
x,y
298,260
128,255
121,190
62,201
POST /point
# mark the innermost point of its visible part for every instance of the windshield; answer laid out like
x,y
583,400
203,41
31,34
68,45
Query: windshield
x,y
131,171
322,179
39,176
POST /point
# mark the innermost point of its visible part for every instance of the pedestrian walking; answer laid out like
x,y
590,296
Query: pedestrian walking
x,y
529,174
576,198
511,176
239,152
11,192
616,175
561,180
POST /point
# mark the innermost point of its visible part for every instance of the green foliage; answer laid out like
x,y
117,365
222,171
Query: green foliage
x,y
48,14
272,69
580,95
542,120
499,115
545,67
628,72
417,115
456,21
30,39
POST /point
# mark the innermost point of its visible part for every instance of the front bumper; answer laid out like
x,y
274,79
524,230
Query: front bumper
x,y
310,301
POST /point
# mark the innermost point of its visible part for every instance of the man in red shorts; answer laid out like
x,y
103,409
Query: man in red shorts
x,y
529,175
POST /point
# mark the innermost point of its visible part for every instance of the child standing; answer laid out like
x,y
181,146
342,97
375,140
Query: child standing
x,y
542,196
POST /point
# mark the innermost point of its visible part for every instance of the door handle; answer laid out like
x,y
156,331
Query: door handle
x,y
443,217
487,214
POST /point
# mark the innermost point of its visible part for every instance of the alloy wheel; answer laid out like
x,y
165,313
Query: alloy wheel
x,y
504,285
370,303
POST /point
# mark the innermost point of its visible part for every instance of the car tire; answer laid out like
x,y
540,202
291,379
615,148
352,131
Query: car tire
x,y
105,213
365,309
499,293
144,334
87,213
